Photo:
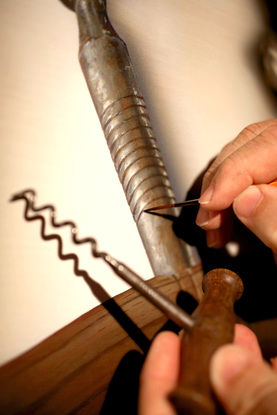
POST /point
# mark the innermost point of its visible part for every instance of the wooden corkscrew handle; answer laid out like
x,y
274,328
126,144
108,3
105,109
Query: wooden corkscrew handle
x,y
214,326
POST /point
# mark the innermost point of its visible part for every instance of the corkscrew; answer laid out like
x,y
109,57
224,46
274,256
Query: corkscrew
x,y
172,311
210,326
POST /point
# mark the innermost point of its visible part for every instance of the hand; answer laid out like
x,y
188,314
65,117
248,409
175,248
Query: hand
x,y
159,375
242,381
238,178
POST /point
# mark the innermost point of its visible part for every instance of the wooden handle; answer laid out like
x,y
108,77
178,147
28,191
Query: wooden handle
x,y
214,326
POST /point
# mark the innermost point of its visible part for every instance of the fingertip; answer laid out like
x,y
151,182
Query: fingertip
x,y
242,383
206,197
227,363
246,203
159,375
233,357
203,217
166,340
256,208
245,337
207,219
213,238
163,355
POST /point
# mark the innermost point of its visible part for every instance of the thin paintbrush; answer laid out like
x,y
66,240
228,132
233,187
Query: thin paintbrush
x,y
180,204
188,202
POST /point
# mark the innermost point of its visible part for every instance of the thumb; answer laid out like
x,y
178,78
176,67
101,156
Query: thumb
x,y
256,208
243,383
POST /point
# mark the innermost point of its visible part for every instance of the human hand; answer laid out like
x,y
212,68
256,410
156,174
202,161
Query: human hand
x,y
159,375
237,179
242,381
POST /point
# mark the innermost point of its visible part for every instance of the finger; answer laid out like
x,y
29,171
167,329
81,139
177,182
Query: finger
x,y
159,375
244,136
273,362
256,207
245,337
254,162
243,384
218,226
208,219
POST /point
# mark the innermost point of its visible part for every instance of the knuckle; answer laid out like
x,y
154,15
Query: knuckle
x,y
256,128
230,164
250,132
224,167
270,134
209,175
253,128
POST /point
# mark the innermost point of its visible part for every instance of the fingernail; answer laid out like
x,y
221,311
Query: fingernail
x,y
227,364
212,238
247,201
207,195
203,217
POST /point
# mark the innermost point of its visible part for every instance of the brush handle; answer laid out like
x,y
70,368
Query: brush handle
x,y
214,326
274,183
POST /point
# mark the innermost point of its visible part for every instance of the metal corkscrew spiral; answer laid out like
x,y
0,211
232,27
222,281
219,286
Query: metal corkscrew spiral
x,y
173,312
29,196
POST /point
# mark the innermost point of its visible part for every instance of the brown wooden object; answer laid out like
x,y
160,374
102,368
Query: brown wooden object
x,y
214,326
70,372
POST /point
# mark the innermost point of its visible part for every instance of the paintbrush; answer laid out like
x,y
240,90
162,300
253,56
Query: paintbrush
x,y
180,204
192,202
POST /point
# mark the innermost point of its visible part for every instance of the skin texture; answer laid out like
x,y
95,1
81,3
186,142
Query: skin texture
x,y
242,381
159,375
236,183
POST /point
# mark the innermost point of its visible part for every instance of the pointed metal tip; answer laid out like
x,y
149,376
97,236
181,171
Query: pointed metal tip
x,y
15,197
159,207
31,193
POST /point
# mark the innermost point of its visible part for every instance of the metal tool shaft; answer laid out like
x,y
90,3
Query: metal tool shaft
x,y
171,310
123,115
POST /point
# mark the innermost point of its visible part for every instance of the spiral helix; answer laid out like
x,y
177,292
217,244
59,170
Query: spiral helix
x,y
29,195
123,271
